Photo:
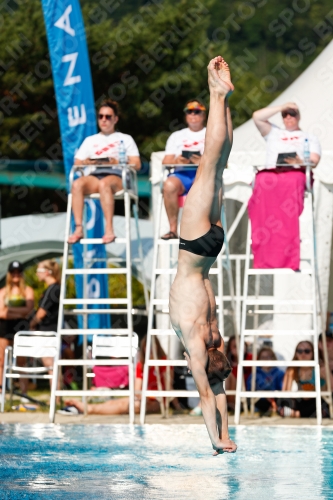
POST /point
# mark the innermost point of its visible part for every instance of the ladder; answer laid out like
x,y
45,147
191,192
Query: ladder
x,y
311,307
166,251
128,194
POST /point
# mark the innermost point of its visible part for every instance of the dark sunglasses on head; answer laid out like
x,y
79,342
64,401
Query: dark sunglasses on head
x,y
291,112
305,351
194,111
107,117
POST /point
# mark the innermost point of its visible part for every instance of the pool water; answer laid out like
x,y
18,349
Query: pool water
x,y
163,462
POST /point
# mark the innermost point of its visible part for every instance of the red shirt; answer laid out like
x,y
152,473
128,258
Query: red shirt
x,y
247,370
152,378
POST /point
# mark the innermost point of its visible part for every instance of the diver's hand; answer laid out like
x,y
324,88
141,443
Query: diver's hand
x,y
225,445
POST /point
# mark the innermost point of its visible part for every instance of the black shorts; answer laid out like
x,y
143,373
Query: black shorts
x,y
116,173
104,174
8,327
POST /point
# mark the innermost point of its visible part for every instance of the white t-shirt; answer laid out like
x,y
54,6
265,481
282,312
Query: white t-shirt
x,y
284,141
105,146
185,140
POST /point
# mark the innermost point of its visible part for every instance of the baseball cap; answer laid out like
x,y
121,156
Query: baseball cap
x,y
195,105
15,266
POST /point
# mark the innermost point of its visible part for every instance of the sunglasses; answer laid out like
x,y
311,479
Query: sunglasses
x,y
42,270
107,117
292,113
305,351
193,111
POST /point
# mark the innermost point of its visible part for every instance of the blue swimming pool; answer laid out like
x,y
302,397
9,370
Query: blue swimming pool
x,y
163,462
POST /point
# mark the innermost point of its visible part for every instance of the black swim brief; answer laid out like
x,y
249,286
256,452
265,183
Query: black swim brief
x,y
208,245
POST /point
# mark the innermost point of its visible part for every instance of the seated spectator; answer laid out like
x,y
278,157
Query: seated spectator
x,y
102,148
232,355
46,316
267,379
278,196
16,303
329,342
121,406
304,377
183,147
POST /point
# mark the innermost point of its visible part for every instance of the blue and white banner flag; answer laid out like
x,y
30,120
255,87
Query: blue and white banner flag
x,y
77,118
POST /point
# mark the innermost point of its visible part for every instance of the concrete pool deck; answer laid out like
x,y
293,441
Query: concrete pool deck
x,y
42,418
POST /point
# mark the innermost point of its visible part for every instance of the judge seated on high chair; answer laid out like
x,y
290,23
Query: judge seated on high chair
x,y
278,195
183,147
99,149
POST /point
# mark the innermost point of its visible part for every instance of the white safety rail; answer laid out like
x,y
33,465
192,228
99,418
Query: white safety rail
x,y
129,195
161,305
311,307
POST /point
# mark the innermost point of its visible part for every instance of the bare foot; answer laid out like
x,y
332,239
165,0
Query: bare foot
x,y
108,238
77,235
219,79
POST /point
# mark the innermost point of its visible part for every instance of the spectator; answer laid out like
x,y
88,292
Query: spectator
x,y
102,148
121,406
16,303
46,317
288,140
183,148
232,355
267,379
329,342
278,196
304,377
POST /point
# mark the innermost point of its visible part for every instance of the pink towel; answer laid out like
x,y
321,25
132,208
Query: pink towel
x,y
110,376
274,209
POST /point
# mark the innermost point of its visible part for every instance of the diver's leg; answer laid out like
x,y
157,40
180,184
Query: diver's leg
x,y
203,203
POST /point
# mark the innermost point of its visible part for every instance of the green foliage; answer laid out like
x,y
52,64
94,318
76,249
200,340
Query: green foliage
x,y
117,289
116,283
31,279
151,57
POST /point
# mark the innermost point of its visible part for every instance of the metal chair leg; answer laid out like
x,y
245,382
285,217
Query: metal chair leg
x,y
3,394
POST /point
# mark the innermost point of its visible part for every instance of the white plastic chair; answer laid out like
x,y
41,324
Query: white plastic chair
x,y
114,346
118,348
31,345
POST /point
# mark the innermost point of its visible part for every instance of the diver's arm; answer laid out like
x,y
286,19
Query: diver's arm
x,y
208,403
221,412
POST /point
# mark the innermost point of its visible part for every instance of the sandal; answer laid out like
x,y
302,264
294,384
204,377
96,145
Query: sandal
x,y
74,238
170,236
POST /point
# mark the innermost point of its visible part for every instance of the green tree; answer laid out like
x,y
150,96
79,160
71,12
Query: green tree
x,y
151,57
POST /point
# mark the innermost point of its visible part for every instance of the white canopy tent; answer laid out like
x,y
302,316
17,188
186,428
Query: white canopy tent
x,y
31,238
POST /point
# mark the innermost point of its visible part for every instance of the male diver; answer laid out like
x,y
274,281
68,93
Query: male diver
x,y
192,301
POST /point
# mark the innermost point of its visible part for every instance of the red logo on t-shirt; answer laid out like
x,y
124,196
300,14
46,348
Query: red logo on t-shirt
x,y
106,148
192,144
292,138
